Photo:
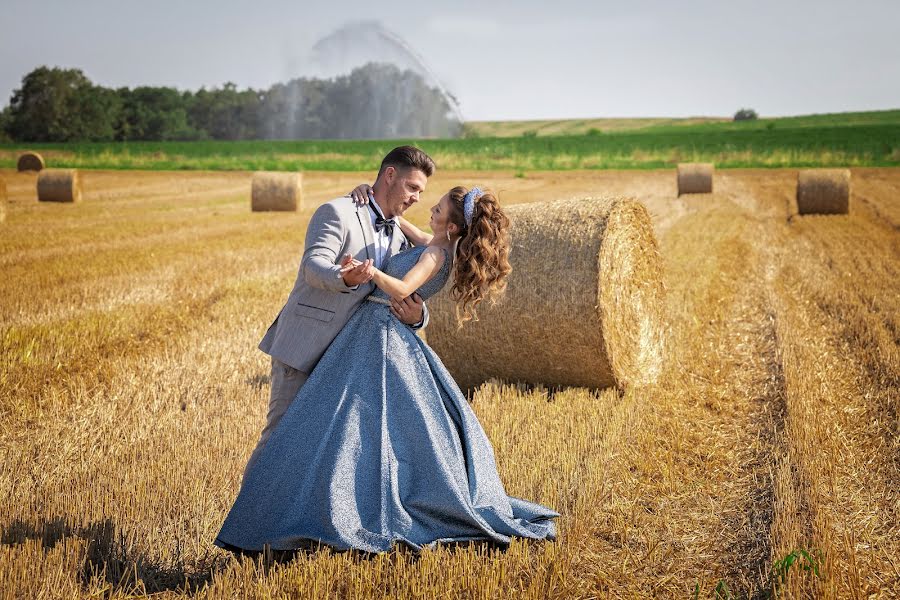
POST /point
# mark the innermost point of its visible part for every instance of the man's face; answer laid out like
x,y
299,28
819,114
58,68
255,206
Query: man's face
x,y
404,187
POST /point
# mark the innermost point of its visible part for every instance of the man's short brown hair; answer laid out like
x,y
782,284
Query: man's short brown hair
x,y
408,157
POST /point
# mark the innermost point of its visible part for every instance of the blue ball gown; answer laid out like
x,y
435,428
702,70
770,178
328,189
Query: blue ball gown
x,y
379,447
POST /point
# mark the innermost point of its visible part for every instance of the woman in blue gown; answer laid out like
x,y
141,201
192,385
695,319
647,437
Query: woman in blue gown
x,y
380,446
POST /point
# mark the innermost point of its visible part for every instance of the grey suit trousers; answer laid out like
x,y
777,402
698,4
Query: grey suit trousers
x,y
286,382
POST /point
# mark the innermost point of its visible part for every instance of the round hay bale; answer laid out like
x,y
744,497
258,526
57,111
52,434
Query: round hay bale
x,y
823,191
30,161
276,191
2,200
695,178
59,185
583,306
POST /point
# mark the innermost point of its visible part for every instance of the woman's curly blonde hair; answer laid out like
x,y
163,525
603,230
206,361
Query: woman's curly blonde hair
x,y
481,265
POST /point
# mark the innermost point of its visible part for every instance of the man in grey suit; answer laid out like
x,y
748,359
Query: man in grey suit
x,y
326,295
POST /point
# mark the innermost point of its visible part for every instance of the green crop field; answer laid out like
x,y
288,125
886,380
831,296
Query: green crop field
x,y
556,127
583,126
846,139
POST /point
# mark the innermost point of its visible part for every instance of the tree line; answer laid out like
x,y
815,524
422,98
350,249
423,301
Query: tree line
x,y
373,101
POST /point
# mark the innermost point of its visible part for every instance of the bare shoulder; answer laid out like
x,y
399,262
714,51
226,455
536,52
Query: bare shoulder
x,y
434,255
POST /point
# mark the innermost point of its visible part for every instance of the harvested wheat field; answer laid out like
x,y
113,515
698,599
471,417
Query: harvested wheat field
x,y
766,461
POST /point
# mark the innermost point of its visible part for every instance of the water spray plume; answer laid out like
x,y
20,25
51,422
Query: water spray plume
x,y
360,42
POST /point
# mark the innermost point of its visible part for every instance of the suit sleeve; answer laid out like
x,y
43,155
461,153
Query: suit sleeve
x,y
324,240
424,322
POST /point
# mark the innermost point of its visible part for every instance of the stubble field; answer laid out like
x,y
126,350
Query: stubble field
x,y
766,461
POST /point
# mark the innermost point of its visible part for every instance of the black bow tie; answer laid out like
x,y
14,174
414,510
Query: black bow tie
x,y
386,224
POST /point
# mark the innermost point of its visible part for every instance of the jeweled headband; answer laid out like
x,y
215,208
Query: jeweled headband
x,y
469,204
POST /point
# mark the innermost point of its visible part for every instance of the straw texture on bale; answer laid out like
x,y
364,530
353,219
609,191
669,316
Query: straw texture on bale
x,y
823,191
2,199
583,306
59,185
695,178
276,191
30,161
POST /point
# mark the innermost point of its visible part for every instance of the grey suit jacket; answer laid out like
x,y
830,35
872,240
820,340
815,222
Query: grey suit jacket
x,y
320,303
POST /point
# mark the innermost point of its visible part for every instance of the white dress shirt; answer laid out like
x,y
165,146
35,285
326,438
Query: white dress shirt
x,y
382,239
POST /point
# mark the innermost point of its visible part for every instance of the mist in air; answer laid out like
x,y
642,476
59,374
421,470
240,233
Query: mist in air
x,y
362,81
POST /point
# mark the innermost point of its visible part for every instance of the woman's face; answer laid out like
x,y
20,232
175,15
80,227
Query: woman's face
x,y
440,217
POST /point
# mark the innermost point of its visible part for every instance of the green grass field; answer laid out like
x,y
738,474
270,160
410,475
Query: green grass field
x,y
846,139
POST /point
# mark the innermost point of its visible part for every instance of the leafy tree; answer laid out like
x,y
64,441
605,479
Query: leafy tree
x,y
155,114
746,114
373,101
60,105
301,108
5,119
226,113
276,112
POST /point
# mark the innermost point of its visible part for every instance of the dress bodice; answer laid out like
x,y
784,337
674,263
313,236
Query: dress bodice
x,y
399,265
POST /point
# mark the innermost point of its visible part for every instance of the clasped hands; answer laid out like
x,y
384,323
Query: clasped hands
x,y
409,310
355,272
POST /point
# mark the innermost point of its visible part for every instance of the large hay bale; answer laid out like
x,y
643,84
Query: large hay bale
x,y
59,185
695,178
276,191
583,306
30,161
823,191
2,199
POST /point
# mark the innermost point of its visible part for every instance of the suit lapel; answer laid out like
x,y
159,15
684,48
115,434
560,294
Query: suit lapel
x,y
365,222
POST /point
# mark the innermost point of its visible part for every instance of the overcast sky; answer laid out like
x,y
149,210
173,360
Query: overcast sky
x,y
502,60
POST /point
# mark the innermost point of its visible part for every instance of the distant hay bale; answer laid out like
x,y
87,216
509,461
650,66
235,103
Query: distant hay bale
x,y
276,191
2,200
30,161
823,191
583,306
695,178
59,185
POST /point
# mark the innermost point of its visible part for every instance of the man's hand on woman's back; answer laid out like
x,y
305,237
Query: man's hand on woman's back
x,y
410,310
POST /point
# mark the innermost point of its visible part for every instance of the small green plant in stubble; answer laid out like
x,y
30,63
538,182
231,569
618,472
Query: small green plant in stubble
x,y
799,559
